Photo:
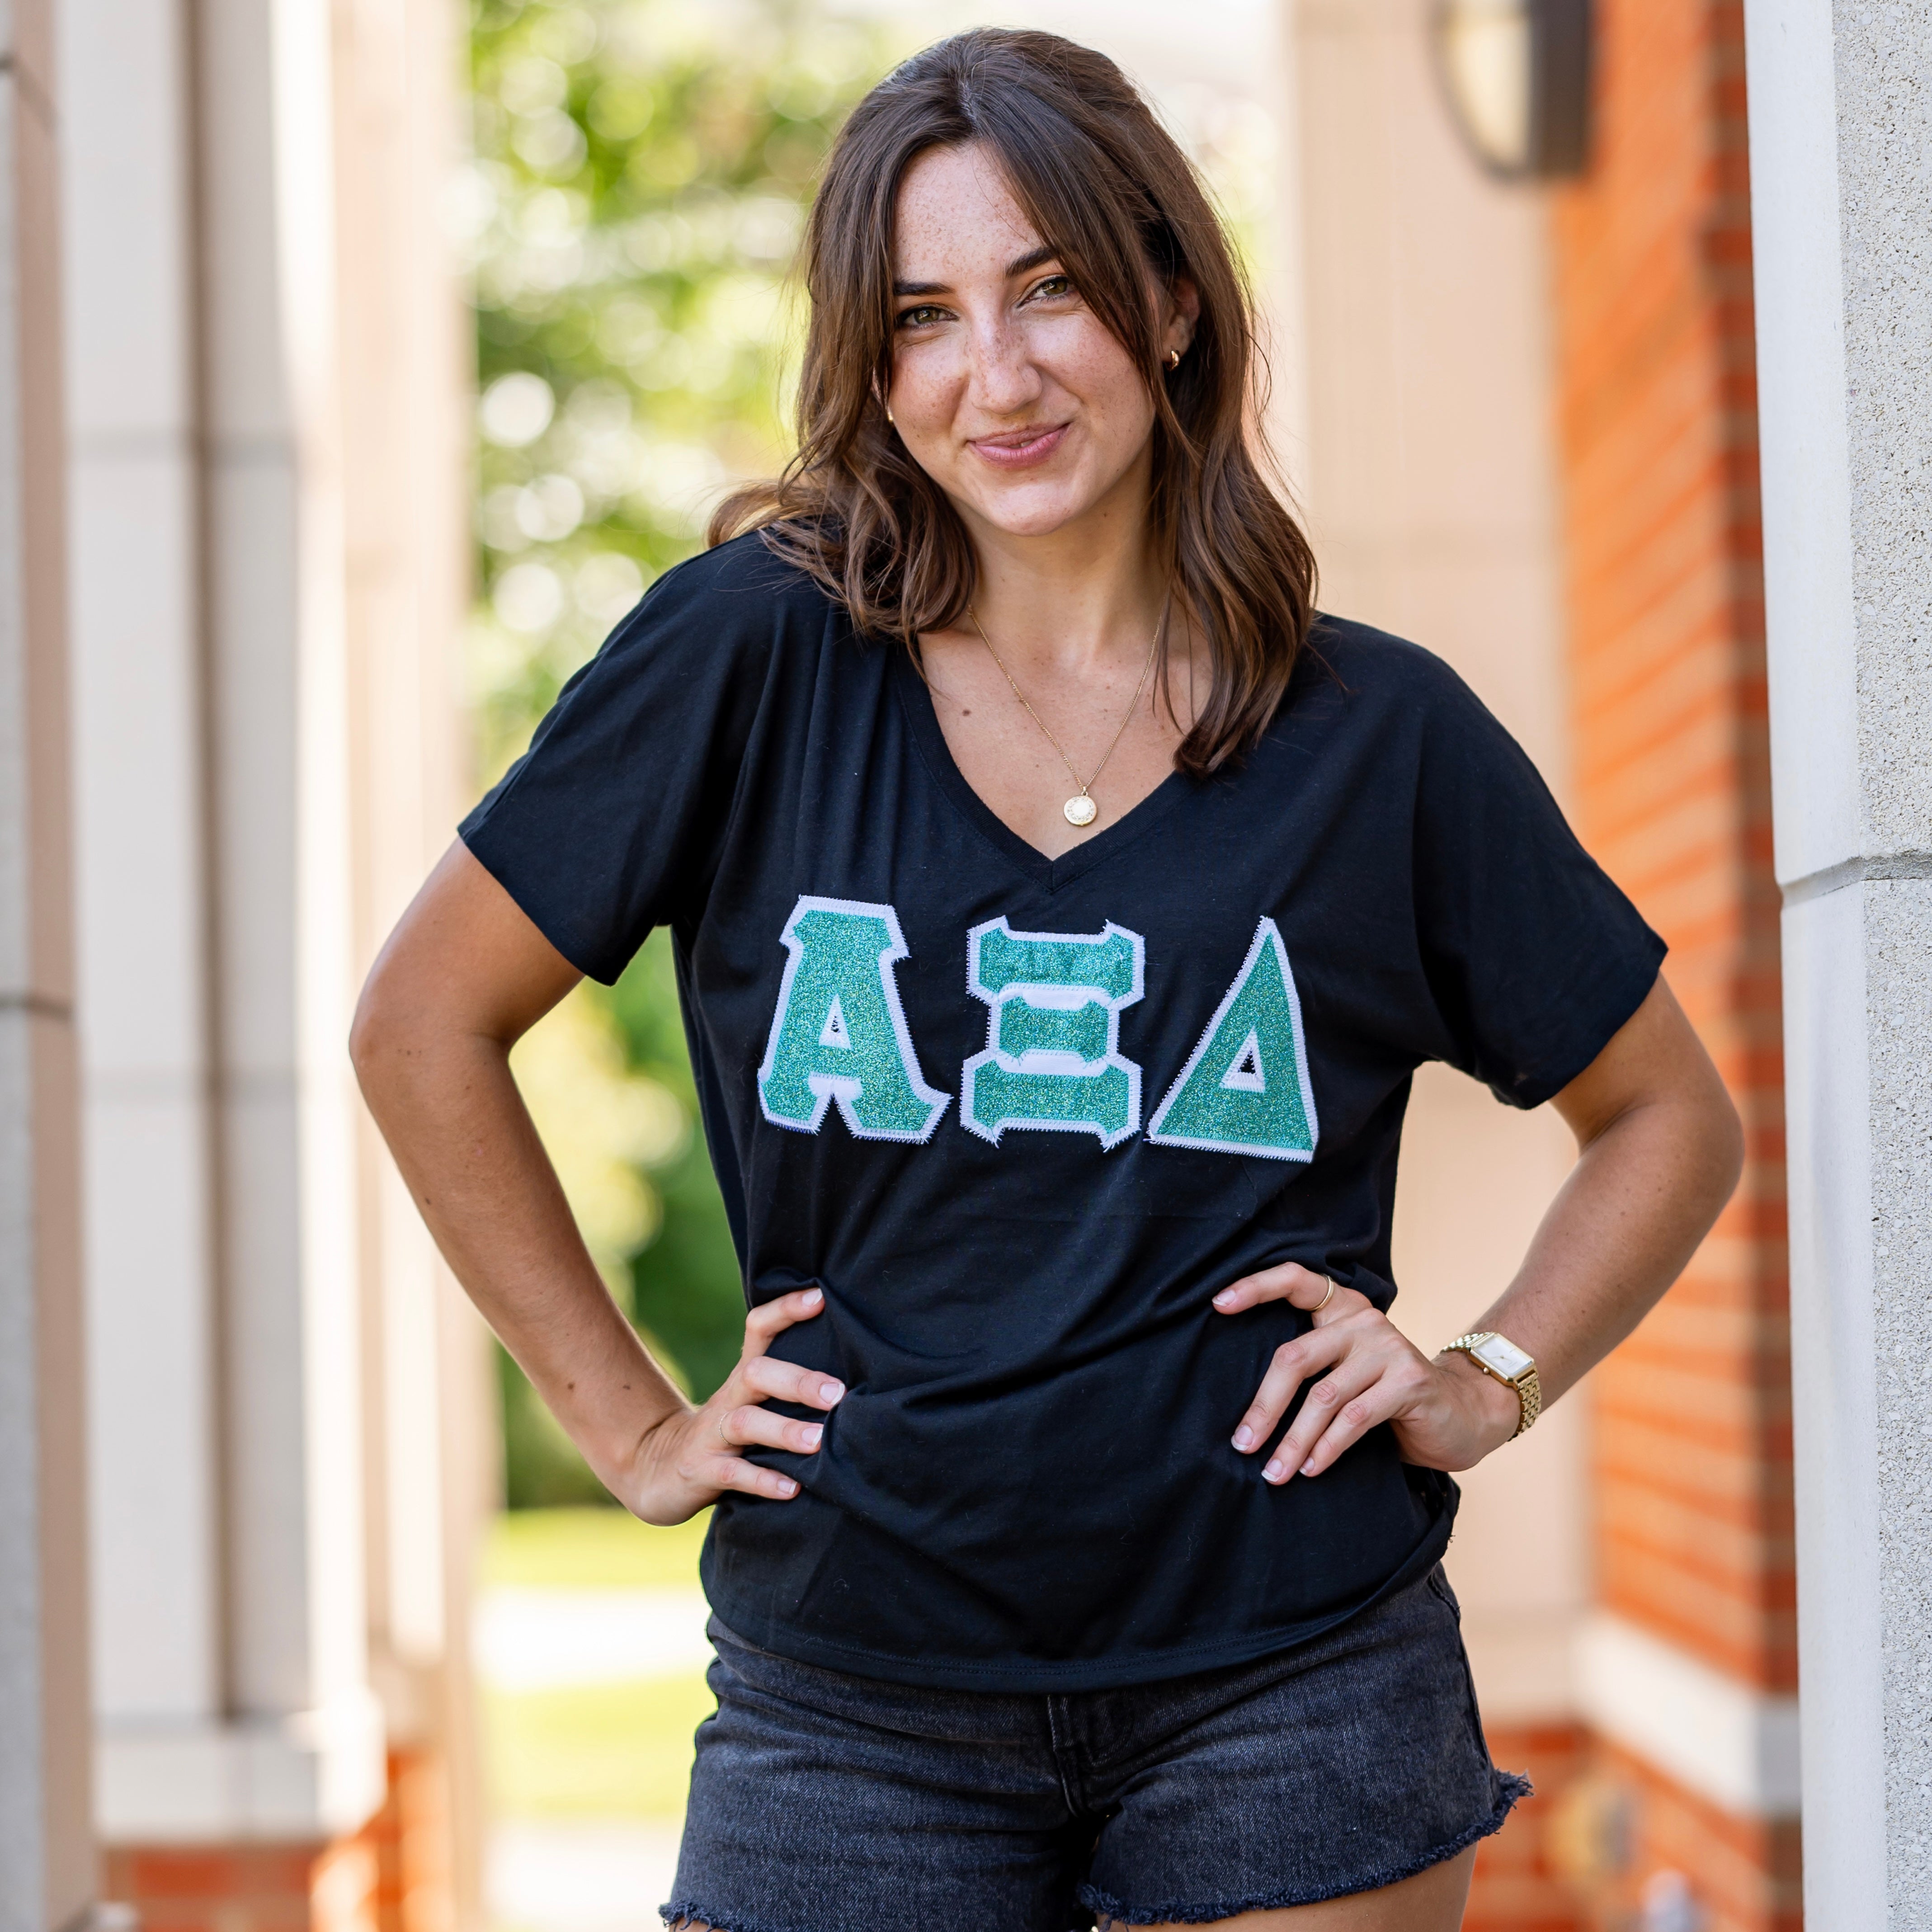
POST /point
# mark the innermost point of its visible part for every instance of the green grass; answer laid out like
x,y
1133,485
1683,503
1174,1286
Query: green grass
x,y
595,1750
603,1750
590,1550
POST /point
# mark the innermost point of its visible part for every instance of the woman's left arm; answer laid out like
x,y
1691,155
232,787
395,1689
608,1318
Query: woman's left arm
x,y
1659,1150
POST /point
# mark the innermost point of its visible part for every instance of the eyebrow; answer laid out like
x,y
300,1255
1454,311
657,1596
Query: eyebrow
x,y
1033,259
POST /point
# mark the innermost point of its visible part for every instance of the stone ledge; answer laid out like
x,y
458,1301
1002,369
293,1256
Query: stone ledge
x,y
314,1774
1724,1740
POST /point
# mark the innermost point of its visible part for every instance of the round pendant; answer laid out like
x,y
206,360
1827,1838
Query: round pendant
x,y
1081,810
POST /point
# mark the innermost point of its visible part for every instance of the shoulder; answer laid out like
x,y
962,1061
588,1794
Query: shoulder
x,y
700,647
1384,679
1391,701
744,583
1369,684
1378,665
726,617
1406,710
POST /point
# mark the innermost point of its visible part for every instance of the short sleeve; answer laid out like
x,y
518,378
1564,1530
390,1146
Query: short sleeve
x,y
1534,956
612,822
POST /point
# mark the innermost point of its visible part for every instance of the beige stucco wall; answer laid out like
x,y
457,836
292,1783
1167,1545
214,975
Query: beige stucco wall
x,y
1427,464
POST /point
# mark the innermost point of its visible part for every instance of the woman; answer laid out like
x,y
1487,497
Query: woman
x,y
1060,911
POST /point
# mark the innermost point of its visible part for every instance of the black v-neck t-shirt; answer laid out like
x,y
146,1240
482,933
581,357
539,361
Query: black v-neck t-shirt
x,y
1022,1117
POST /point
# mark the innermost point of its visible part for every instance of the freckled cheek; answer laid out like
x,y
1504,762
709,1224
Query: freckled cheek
x,y
1088,364
927,385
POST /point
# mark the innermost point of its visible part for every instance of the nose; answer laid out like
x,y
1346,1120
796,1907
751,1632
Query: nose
x,y
1004,379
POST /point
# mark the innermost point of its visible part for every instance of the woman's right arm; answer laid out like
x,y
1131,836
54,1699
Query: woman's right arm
x,y
465,974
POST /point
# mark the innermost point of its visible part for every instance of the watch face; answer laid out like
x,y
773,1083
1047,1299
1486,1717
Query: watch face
x,y
1505,1358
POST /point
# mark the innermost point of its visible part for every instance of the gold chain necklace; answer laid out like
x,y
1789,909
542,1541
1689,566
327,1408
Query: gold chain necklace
x,y
1080,809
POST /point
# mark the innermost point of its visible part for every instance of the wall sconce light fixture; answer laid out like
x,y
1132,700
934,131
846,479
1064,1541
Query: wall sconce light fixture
x,y
1517,75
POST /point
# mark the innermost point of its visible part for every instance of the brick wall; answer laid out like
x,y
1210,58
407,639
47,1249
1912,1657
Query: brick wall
x,y
1746,1871
257,1888
1657,400
1520,1885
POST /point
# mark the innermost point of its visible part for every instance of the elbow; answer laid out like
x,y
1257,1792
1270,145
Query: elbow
x,y
372,1031
1720,1140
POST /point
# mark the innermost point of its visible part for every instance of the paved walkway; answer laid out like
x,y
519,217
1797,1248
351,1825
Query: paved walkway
x,y
588,1875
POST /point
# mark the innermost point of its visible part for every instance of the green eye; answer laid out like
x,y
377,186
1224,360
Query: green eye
x,y
918,318
1052,285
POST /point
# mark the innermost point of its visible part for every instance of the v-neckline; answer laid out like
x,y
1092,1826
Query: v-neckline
x,y
916,699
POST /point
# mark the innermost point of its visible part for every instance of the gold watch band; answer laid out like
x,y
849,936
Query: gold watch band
x,y
1529,1389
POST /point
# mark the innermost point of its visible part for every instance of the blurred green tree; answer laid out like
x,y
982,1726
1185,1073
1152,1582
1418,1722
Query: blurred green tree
x,y
641,172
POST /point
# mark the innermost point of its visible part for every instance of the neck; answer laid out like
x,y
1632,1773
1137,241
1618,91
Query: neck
x,y
1088,593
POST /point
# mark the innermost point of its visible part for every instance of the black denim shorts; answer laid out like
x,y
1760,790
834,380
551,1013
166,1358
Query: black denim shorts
x,y
821,1802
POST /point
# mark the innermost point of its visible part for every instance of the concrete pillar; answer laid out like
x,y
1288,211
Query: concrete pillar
x,y
216,952
268,428
46,1876
141,877
1841,164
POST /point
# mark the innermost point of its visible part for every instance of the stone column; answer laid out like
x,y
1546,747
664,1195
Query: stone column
x,y
1841,149
269,414
142,917
46,1849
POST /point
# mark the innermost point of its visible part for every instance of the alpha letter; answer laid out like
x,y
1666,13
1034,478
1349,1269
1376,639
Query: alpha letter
x,y
1052,1058
839,1033
1245,1090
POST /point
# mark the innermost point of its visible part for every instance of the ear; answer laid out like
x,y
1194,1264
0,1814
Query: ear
x,y
1181,313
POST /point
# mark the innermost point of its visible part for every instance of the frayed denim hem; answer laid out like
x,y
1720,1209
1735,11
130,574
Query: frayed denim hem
x,y
677,1915
1111,1912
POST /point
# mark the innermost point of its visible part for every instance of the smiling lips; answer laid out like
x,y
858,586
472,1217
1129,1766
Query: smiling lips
x,y
1020,449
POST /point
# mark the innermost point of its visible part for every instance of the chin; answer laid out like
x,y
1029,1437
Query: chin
x,y
1035,511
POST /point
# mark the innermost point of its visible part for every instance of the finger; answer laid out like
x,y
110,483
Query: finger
x,y
1345,1302
766,1379
1289,1282
770,1319
1335,1406
745,1426
719,1473
1293,1363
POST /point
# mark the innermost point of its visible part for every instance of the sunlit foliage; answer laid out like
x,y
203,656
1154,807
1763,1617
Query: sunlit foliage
x,y
635,202
641,172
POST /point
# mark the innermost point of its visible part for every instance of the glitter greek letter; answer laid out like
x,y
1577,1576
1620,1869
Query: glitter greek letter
x,y
838,1036
1245,1087
1052,1059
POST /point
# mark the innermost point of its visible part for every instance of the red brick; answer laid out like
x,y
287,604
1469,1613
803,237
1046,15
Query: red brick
x,y
1745,1871
1517,1887
1656,414
395,1875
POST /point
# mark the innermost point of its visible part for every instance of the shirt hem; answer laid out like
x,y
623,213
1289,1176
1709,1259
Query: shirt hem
x,y
1055,1676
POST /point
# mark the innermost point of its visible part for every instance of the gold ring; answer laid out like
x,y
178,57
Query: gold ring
x,y
1327,1298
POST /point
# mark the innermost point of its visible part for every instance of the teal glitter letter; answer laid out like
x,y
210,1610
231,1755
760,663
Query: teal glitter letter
x,y
1245,1088
839,1033
1052,1058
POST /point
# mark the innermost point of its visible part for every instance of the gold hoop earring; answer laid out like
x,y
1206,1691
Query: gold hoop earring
x,y
1174,358
891,418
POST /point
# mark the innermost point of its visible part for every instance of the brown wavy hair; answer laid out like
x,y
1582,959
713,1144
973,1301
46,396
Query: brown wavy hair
x,y
1106,187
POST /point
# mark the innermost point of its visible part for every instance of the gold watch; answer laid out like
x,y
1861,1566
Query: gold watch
x,y
1499,1357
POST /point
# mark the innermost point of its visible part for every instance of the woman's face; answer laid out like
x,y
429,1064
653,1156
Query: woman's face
x,y
1005,388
